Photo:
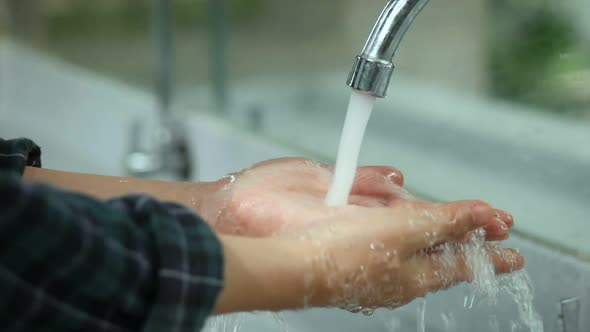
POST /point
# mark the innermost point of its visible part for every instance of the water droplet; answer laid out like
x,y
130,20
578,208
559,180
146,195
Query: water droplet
x,y
231,177
354,308
394,304
421,278
368,311
376,246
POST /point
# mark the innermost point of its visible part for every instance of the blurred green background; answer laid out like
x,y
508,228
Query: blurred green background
x,y
532,55
538,57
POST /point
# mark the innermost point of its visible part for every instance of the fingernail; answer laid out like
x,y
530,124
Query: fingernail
x,y
509,218
480,214
394,177
503,225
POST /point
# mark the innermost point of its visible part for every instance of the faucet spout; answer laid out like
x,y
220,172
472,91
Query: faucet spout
x,y
373,67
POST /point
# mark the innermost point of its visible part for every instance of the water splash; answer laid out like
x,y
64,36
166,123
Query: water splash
x,y
486,286
280,321
421,315
448,322
520,288
226,323
479,263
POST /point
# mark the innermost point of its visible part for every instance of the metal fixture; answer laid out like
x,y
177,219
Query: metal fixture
x,y
218,62
373,67
169,155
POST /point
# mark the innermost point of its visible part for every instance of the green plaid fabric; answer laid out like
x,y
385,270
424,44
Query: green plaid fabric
x,y
72,263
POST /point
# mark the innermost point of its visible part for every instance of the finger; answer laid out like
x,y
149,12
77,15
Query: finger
x,y
367,201
497,230
430,224
451,266
505,217
393,174
377,181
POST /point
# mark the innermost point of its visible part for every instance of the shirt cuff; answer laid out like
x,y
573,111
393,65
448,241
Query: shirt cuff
x,y
16,154
190,266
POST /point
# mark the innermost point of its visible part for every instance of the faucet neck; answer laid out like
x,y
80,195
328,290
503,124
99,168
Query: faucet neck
x,y
373,67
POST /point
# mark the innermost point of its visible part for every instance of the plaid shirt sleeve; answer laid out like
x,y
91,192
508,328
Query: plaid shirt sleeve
x,y
72,263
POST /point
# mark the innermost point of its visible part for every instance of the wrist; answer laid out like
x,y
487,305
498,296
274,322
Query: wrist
x,y
262,274
202,198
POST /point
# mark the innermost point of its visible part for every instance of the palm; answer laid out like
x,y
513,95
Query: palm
x,y
286,194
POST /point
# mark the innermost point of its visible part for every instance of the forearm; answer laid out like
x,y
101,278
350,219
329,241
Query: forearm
x,y
193,195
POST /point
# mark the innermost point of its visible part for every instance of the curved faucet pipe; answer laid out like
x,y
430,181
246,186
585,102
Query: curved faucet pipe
x,y
218,63
373,67
164,54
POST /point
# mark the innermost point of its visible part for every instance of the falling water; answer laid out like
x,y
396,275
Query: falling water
x,y
487,285
357,116
421,315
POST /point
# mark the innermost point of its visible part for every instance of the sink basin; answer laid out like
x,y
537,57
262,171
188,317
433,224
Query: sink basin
x,y
92,139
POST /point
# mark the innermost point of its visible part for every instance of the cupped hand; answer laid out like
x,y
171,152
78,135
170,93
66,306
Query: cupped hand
x,y
283,195
386,257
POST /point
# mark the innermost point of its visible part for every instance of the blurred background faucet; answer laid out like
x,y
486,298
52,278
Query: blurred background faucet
x,y
373,67
168,155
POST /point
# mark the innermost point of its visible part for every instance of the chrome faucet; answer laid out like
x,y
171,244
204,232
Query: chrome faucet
x,y
169,154
168,157
373,67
